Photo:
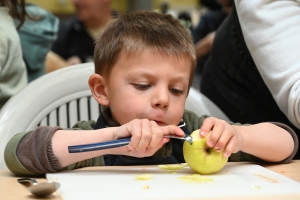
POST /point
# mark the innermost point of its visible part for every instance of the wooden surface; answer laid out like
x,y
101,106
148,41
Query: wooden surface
x,y
10,189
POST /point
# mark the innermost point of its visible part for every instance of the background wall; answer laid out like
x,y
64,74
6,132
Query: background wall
x,y
66,7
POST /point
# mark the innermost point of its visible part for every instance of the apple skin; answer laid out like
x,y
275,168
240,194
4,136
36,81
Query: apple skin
x,y
200,157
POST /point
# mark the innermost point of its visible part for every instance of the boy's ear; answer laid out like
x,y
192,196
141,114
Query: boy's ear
x,y
98,89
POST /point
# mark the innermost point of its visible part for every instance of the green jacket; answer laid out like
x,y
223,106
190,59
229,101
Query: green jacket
x,y
193,122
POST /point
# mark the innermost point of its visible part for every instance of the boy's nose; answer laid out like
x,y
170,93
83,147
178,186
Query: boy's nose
x,y
161,99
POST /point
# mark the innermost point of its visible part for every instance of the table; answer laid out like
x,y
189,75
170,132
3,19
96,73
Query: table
x,y
10,189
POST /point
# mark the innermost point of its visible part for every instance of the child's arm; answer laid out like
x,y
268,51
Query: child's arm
x,y
147,138
264,140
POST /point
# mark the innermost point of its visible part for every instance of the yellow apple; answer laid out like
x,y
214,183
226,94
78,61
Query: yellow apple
x,y
200,157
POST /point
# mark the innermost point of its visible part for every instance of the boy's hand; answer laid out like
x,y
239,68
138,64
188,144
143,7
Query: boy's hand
x,y
223,136
146,137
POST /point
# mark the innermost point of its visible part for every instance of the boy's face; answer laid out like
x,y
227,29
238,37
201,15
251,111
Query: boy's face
x,y
149,85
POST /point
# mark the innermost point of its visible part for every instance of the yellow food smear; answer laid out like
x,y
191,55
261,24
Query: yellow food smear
x,y
146,187
144,176
184,164
172,167
197,178
256,187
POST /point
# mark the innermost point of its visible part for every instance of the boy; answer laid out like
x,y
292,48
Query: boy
x,y
144,64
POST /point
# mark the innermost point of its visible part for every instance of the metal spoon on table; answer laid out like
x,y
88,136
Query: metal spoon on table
x,y
39,189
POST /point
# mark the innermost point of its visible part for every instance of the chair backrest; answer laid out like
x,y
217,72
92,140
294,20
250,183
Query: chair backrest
x,y
61,98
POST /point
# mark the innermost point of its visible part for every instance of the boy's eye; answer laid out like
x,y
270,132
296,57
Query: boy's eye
x,y
175,91
141,86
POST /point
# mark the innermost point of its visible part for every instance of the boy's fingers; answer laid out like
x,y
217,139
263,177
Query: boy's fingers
x,y
172,130
146,136
215,135
229,148
135,129
151,151
157,135
207,126
224,139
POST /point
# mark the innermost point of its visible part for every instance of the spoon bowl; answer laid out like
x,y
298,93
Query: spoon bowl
x,y
39,189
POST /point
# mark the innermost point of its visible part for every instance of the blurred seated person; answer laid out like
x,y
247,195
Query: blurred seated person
x,y
75,41
37,35
186,19
204,32
13,74
164,8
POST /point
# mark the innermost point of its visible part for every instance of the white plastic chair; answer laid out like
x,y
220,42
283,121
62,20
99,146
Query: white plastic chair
x,y
61,98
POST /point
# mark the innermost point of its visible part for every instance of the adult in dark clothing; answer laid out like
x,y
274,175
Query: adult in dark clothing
x,y
203,33
232,78
210,4
75,41
209,22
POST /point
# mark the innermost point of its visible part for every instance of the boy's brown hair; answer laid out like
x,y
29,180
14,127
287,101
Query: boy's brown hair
x,y
142,30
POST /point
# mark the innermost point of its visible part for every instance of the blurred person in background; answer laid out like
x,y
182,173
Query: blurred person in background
x,y
37,35
75,40
204,32
210,4
13,75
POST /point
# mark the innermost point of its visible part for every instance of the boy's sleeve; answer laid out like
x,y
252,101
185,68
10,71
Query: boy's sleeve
x,y
10,156
31,154
35,145
295,138
241,156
